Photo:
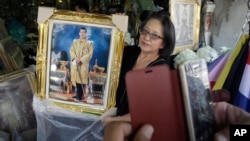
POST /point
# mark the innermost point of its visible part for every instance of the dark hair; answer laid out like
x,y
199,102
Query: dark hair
x,y
63,56
169,31
82,4
83,28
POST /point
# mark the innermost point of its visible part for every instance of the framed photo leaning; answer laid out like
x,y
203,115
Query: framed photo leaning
x,y
185,15
16,101
12,53
3,30
78,60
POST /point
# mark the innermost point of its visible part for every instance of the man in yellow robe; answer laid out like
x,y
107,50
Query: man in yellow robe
x,y
81,52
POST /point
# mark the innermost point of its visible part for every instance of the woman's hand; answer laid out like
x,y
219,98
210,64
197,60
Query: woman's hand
x,y
220,95
226,114
119,128
121,131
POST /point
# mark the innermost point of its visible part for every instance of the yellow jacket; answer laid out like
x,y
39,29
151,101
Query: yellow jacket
x,y
84,50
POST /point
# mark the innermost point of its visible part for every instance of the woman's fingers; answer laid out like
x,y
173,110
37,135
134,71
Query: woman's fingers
x,y
220,95
122,131
145,133
117,131
226,114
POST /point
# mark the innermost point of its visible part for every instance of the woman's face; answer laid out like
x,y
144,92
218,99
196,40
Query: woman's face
x,y
151,36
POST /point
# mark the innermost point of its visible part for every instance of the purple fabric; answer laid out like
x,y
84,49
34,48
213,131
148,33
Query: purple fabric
x,y
215,71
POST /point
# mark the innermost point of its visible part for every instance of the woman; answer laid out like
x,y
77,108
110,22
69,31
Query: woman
x,y
156,44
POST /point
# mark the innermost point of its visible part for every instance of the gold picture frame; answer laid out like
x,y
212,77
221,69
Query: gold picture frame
x,y
5,65
185,15
56,35
12,54
3,30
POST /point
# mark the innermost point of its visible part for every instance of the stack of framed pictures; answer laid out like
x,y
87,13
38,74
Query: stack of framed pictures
x,y
11,56
13,53
4,63
16,111
3,31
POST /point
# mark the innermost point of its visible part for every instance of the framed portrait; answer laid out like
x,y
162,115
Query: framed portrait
x,y
12,52
185,14
78,61
9,46
4,63
16,101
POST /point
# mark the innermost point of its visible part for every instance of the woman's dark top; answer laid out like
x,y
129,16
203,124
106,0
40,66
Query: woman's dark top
x,y
130,55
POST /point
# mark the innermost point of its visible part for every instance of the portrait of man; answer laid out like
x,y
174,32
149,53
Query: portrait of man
x,y
79,63
81,52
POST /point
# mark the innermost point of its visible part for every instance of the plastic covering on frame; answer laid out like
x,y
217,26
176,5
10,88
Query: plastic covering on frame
x,y
58,124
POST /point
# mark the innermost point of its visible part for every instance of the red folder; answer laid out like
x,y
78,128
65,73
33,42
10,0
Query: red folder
x,y
154,96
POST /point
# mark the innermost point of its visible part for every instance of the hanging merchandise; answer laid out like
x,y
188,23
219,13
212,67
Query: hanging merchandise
x,y
234,75
241,94
216,66
226,69
243,38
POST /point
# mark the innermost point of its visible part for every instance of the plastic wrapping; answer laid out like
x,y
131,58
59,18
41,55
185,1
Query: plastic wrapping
x,y
57,124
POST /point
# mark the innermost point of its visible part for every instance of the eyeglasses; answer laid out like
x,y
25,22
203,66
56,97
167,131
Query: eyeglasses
x,y
152,36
